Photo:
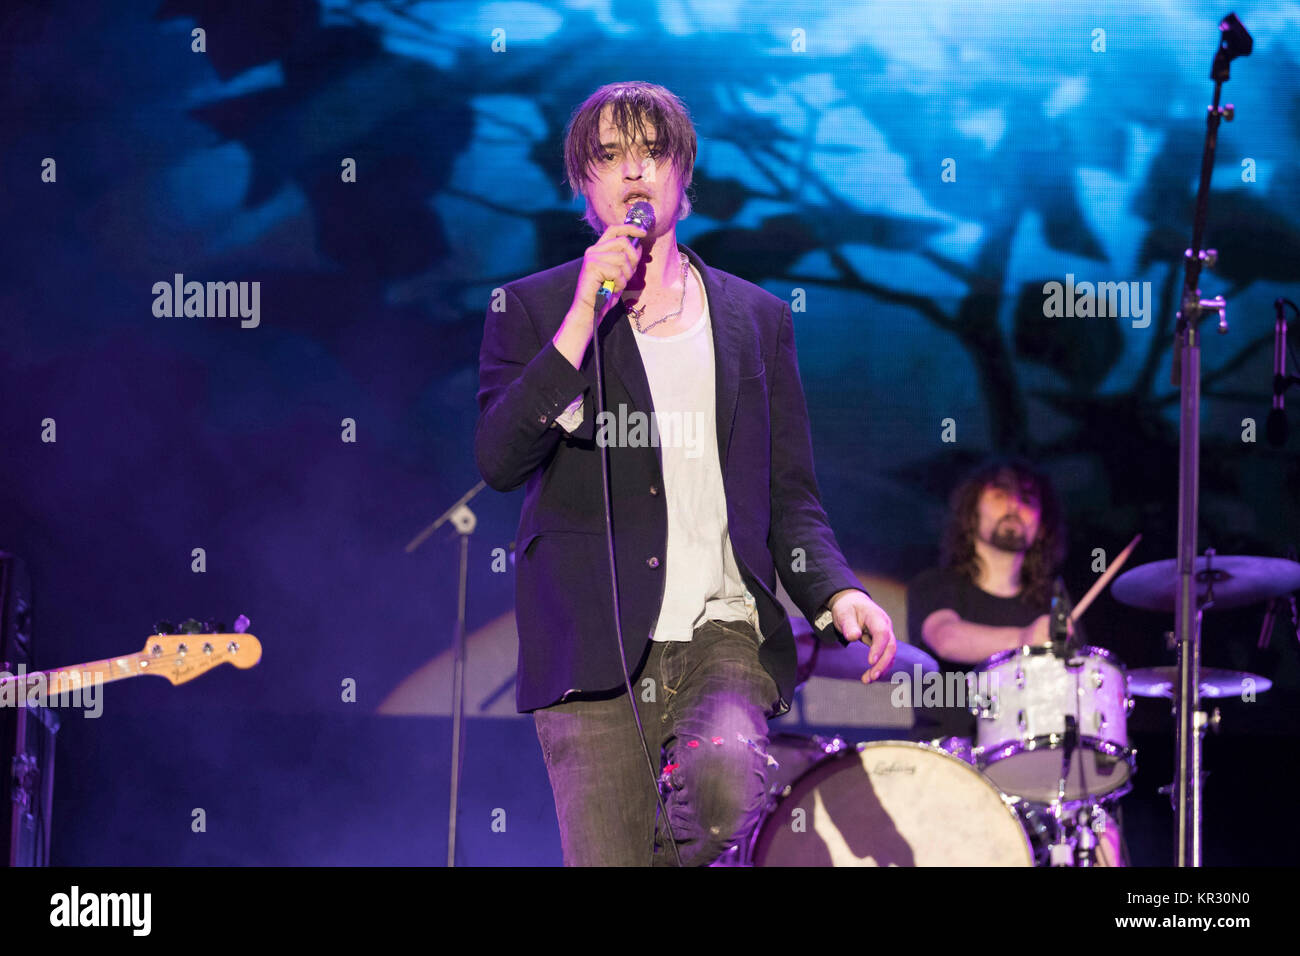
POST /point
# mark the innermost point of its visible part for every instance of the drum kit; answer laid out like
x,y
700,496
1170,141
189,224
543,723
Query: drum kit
x,y
1049,762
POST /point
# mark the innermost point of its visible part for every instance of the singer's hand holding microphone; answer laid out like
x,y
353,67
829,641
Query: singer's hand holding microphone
x,y
611,262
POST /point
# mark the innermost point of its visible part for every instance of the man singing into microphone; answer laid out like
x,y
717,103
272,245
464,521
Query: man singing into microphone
x,y
712,496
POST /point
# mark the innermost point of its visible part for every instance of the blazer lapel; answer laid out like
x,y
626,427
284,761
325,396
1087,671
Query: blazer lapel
x,y
733,335
623,359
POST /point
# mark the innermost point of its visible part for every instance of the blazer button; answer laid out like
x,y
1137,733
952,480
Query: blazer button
x,y
654,490
653,562
541,420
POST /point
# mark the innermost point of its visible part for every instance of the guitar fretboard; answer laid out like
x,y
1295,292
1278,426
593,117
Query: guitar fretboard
x,y
178,662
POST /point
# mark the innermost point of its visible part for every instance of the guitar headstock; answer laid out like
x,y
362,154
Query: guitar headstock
x,y
195,650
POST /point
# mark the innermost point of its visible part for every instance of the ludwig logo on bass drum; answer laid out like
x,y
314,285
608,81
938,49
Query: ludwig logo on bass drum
x,y
894,767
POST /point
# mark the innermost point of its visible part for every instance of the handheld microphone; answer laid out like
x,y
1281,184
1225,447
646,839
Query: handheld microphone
x,y
1275,426
641,214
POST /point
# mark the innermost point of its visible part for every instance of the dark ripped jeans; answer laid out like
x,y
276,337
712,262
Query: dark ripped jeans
x,y
706,728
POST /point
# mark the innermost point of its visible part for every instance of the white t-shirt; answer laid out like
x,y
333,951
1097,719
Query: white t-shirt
x,y
703,579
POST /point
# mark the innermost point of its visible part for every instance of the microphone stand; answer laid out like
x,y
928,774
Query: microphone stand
x,y
464,521
1234,41
1066,645
1060,636
1275,428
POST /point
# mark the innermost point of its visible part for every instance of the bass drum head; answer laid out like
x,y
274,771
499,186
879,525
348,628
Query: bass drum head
x,y
892,803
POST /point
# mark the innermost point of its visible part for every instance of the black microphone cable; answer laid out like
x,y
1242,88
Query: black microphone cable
x,y
601,298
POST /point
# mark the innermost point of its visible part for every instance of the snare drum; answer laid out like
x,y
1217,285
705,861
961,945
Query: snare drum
x,y
889,803
1023,700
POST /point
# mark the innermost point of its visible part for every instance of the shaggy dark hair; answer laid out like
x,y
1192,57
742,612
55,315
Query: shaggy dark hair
x,y
1038,573
632,105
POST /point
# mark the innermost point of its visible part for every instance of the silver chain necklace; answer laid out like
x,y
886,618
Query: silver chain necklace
x,y
638,313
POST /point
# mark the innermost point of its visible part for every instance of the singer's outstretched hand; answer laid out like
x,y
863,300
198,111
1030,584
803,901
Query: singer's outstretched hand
x,y
859,618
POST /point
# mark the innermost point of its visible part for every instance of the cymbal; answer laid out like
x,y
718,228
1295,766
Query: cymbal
x,y
1215,682
1231,580
850,662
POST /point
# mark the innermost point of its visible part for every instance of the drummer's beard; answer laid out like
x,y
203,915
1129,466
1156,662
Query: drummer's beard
x,y
1009,535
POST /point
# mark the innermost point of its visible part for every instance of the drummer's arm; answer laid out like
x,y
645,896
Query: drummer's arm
x,y
959,640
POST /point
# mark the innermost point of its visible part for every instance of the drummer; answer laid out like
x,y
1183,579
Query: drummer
x,y
1003,543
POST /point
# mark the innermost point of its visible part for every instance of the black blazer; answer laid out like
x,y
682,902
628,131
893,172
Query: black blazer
x,y
563,604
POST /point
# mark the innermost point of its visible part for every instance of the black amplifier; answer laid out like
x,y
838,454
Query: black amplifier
x,y
26,731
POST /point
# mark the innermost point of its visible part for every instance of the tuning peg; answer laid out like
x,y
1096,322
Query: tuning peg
x,y
164,627
215,627
241,624
190,626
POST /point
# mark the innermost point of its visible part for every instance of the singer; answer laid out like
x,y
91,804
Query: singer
x,y
699,539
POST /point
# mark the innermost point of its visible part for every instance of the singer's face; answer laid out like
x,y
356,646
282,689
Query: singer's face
x,y
1009,517
627,172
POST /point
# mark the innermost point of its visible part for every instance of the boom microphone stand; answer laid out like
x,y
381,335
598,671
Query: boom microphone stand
x,y
1234,41
464,520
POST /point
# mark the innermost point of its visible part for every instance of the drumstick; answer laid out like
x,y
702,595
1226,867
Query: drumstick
x,y
1103,580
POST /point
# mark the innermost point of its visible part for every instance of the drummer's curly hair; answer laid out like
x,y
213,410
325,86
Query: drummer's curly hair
x,y
1038,572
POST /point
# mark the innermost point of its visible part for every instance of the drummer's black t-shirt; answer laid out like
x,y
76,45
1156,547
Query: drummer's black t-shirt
x,y
939,589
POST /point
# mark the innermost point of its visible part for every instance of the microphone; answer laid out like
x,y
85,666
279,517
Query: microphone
x,y
1062,643
1275,426
641,214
